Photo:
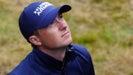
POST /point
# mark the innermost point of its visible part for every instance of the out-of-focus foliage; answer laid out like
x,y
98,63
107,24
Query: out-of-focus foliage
x,y
104,27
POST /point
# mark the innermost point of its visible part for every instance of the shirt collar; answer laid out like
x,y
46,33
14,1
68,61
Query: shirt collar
x,y
46,60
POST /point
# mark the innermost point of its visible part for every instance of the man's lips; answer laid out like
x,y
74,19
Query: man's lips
x,y
65,34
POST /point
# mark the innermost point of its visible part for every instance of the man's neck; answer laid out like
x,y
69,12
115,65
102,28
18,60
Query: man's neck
x,y
58,54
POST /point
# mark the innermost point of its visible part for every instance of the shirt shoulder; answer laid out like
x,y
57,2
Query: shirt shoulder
x,y
82,51
84,54
23,68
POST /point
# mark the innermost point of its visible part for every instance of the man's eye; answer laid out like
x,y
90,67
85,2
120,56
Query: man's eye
x,y
60,16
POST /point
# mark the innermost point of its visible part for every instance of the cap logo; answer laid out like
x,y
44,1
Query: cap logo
x,y
41,7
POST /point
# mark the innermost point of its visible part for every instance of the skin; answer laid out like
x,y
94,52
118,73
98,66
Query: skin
x,y
53,39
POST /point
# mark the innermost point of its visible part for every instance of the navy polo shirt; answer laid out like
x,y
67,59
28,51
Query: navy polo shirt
x,y
77,61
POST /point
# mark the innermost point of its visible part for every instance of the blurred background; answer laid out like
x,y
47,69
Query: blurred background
x,y
104,27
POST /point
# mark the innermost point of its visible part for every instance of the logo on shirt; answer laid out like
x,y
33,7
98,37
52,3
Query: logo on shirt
x,y
41,7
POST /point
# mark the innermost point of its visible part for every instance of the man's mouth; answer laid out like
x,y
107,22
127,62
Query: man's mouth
x,y
65,34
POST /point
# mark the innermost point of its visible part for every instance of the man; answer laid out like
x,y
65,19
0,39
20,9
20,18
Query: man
x,y
43,25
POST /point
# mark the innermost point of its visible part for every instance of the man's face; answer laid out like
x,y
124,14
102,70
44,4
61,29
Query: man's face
x,y
55,35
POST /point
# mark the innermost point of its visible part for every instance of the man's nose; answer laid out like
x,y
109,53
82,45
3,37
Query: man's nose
x,y
62,25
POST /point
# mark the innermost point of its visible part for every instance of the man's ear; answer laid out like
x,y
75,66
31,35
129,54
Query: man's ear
x,y
34,40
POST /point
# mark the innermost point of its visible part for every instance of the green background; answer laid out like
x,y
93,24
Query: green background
x,y
104,27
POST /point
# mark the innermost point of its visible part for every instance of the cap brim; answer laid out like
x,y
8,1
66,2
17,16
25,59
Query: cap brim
x,y
64,8
50,17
